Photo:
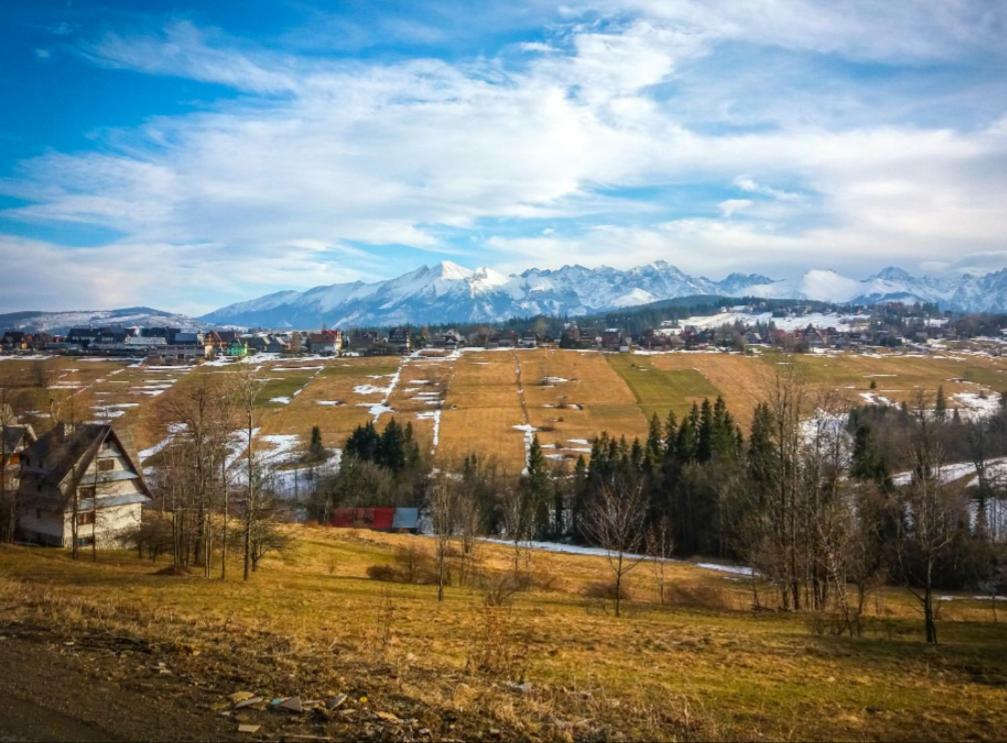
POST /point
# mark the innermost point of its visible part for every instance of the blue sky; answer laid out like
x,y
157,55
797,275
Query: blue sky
x,y
187,155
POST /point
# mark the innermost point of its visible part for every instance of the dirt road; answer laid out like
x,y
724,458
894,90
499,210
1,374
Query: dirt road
x,y
51,692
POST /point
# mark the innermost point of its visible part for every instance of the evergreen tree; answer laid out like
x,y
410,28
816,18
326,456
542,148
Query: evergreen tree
x,y
537,487
941,405
316,450
655,444
704,437
762,464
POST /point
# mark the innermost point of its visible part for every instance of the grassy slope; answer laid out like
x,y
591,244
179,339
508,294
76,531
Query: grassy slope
x,y
659,390
699,667
479,391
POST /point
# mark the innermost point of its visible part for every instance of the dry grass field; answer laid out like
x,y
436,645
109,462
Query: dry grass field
x,y
554,665
472,401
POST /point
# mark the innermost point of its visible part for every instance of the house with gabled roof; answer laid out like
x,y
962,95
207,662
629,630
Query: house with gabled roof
x,y
14,439
82,480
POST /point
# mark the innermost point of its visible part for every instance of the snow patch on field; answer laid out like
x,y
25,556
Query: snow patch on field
x,y
376,410
435,416
281,400
873,398
576,549
529,432
976,405
329,403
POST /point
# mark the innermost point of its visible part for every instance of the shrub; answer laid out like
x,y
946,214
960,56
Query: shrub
x,y
384,572
605,590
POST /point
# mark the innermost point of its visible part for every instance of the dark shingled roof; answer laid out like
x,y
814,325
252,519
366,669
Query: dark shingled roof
x,y
57,452
13,437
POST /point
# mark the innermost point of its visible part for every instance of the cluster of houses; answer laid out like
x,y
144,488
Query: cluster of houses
x,y
173,345
77,481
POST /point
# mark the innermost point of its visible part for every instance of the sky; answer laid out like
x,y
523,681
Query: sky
x,y
189,155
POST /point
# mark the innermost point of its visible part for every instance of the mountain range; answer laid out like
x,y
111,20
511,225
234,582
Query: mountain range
x,y
448,293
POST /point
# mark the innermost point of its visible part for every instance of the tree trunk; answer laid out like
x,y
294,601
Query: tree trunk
x,y
223,534
618,586
928,607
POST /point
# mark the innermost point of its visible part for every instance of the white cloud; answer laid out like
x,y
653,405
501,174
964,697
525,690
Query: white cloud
x,y
317,154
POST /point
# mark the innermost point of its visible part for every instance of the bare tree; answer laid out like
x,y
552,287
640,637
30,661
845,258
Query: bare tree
x,y
786,400
7,498
615,521
443,500
659,549
247,392
930,510
516,515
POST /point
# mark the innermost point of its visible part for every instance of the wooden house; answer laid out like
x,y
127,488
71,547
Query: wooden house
x,y
13,441
83,473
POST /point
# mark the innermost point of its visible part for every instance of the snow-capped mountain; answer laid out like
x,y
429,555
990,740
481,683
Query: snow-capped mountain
x,y
448,292
61,322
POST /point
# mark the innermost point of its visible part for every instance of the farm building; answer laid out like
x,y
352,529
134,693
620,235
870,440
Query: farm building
x,y
82,473
379,518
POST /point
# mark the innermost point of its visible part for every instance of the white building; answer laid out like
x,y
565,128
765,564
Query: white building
x,y
83,473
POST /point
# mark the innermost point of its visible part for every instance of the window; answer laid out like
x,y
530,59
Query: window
x,y
104,465
86,491
85,518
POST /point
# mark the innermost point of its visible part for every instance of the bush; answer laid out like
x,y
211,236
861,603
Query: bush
x,y
605,590
499,589
384,572
410,565
701,596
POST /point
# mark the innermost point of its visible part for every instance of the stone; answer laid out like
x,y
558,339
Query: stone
x,y
247,727
389,717
240,696
290,704
336,701
249,702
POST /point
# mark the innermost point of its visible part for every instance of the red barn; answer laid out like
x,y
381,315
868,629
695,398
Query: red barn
x,y
367,518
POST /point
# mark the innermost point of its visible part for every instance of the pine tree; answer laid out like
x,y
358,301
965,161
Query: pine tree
x,y
316,450
685,442
941,406
655,444
537,488
704,438
762,461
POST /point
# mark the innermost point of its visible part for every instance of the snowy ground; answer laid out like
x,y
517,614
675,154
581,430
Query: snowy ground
x,y
958,470
574,549
843,322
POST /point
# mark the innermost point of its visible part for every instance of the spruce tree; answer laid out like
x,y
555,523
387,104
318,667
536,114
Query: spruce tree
x,y
316,450
941,406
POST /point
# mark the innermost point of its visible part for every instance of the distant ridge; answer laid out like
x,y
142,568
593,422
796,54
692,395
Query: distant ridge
x,y
448,292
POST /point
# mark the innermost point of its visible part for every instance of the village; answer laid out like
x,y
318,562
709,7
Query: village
x,y
730,328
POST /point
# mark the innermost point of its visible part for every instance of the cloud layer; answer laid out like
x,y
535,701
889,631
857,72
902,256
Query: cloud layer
x,y
755,136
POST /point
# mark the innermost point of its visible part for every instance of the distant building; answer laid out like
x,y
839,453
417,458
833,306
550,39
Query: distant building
x,y
82,472
400,340
13,441
383,518
326,342
613,339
